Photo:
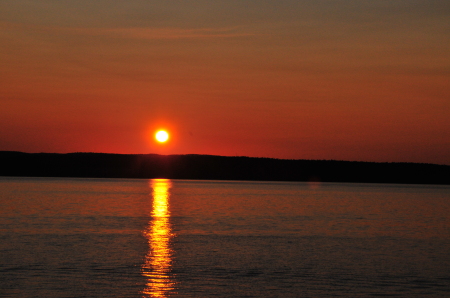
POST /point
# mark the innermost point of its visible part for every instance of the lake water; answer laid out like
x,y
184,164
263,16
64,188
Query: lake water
x,y
64,237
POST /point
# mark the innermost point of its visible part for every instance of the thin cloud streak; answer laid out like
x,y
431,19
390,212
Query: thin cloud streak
x,y
136,32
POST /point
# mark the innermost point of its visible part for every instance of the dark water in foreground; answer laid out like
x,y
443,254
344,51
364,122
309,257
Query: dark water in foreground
x,y
174,238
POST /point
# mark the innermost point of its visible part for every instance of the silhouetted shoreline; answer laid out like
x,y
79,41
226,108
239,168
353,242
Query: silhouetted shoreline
x,y
211,167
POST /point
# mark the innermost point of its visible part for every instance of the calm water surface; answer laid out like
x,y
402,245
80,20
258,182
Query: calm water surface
x,y
175,238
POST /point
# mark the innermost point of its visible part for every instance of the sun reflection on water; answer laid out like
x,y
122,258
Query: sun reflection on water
x,y
158,261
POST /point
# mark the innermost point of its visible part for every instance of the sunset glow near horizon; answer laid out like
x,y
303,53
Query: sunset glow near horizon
x,y
345,80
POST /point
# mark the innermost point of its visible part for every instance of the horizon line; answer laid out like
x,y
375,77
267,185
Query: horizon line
x,y
231,156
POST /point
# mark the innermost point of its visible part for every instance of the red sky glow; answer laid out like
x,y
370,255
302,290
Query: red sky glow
x,y
347,80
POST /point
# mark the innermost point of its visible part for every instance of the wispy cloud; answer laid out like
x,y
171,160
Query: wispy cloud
x,y
137,32
171,33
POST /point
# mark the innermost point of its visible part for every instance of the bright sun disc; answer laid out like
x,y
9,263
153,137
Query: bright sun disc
x,y
162,136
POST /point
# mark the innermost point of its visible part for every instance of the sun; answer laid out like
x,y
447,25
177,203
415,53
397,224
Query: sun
x,y
162,136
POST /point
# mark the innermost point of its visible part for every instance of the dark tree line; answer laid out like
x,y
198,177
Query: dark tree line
x,y
210,167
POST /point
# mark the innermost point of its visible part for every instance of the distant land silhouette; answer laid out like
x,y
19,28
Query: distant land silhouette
x,y
211,167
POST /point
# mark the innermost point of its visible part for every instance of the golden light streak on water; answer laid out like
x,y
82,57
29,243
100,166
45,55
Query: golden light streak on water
x,y
158,261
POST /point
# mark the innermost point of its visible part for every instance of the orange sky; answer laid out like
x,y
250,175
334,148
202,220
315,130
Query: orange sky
x,y
347,80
